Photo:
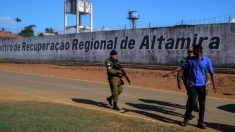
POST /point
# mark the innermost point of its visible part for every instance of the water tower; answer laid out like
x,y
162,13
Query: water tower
x,y
133,16
78,8
231,19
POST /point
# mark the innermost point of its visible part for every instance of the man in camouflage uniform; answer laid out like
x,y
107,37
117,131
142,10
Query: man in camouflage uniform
x,y
114,77
184,75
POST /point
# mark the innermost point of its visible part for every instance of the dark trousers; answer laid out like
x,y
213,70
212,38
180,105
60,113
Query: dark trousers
x,y
199,91
186,84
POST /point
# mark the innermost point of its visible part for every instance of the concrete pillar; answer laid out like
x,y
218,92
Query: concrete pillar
x,y
91,18
77,22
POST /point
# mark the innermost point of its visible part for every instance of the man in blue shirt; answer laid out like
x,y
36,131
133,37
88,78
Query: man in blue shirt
x,y
198,66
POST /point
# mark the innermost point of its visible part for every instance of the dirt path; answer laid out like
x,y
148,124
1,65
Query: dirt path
x,y
152,79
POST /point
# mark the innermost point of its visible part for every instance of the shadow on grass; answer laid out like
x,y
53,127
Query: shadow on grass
x,y
143,108
163,103
150,106
147,107
90,102
153,116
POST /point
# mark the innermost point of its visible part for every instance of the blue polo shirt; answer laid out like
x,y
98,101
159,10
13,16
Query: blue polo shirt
x,y
198,70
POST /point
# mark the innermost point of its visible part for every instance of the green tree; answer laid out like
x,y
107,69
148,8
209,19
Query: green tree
x,y
50,30
28,31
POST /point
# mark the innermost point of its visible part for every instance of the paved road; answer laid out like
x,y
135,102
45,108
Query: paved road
x,y
157,105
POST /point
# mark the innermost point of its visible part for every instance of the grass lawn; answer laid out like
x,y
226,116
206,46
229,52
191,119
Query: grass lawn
x,y
33,116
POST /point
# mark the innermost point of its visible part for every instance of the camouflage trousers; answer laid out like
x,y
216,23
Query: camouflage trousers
x,y
116,88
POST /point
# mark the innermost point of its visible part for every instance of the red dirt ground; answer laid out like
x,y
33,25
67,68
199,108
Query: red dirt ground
x,y
225,83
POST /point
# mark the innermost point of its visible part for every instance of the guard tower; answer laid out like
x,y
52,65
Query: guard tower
x,y
133,16
78,8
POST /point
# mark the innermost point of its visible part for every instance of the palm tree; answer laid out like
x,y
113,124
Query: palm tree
x,y
17,21
49,30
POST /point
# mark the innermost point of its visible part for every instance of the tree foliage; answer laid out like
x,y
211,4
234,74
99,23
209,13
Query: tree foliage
x,y
28,31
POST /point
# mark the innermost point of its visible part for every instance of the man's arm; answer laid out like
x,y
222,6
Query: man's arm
x,y
127,78
211,71
213,83
110,69
123,73
182,66
179,78
172,72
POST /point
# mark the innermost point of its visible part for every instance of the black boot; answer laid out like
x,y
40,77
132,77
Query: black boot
x,y
115,106
110,100
201,125
185,122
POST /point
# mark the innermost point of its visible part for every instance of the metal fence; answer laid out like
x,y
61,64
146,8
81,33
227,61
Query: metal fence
x,y
213,20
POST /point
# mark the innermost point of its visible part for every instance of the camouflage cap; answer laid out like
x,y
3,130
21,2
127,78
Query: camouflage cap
x,y
190,49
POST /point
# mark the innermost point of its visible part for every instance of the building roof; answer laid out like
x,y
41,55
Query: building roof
x,y
7,35
46,34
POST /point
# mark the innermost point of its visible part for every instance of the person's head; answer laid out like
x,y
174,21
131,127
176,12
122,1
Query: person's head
x,y
190,52
113,54
197,50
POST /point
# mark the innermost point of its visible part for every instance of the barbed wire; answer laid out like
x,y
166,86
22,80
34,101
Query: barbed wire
x,y
213,20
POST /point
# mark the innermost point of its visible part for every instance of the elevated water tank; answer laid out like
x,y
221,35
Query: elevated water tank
x,y
133,16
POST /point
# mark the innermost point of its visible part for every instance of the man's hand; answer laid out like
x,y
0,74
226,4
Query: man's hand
x,y
166,75
172,72
213,83
119,72
214,89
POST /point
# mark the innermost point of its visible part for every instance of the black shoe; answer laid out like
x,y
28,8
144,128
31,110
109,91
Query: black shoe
x,y
185,122
191,117
115,107
109,99
201,125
